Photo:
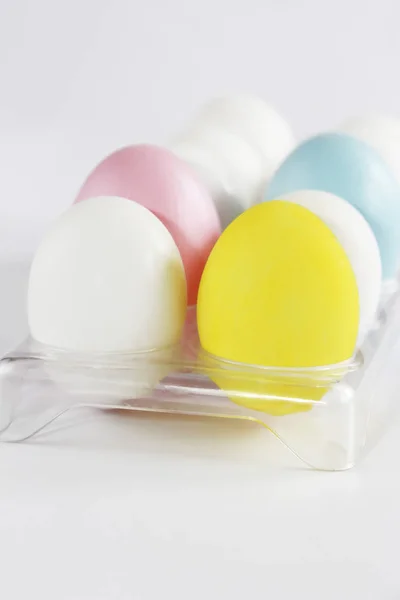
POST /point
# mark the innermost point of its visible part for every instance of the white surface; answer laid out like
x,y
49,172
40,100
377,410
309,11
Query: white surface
x,y
140,507
382,132
232,161
80,78
212,172
175,508
253,120
101,249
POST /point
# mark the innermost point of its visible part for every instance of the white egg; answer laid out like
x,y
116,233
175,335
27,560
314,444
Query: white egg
x,y
252,119
211,172
382,133
227,164
237,161
358,241
107,277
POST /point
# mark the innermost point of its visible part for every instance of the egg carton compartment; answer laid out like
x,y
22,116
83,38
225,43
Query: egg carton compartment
x,y
329,417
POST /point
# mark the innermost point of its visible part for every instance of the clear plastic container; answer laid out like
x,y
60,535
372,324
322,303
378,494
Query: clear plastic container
x,y
327,416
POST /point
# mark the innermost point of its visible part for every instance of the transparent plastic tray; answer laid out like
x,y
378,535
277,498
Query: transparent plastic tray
x,y
327,416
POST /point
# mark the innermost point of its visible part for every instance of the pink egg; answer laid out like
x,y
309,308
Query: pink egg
x,y
157,179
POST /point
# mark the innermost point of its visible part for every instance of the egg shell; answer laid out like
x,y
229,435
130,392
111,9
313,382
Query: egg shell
x,y
252,119
107,277
278,291
358,241
354,171
235,163
210,172
382,132
163,183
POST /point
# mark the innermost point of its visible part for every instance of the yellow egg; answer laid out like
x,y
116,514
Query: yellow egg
x,y
278,290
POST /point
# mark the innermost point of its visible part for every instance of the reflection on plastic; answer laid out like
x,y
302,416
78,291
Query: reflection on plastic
x,y
43,389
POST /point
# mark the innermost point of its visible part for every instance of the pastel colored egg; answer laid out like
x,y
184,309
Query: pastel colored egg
x,y
352,170
163,183
358,241
278,291
382,132
235,165
255,121
107,277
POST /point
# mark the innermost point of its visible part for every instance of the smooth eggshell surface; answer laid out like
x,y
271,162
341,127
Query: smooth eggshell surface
x,y
358,241
209,171
163,183
382,133
252,119
107,277
350,169
278,291
235,163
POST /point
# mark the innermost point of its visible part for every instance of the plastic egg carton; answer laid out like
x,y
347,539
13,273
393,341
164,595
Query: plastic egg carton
x,y
41,386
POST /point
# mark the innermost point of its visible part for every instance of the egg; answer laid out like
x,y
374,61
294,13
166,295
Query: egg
x,y
107,278
358,241
382,133
163,183
354,171
235,164
278,291
209,171
252,119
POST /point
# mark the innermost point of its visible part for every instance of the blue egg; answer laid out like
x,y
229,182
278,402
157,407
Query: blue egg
x,y
349,168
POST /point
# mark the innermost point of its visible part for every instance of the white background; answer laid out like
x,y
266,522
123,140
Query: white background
x,y
79,78
151,508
